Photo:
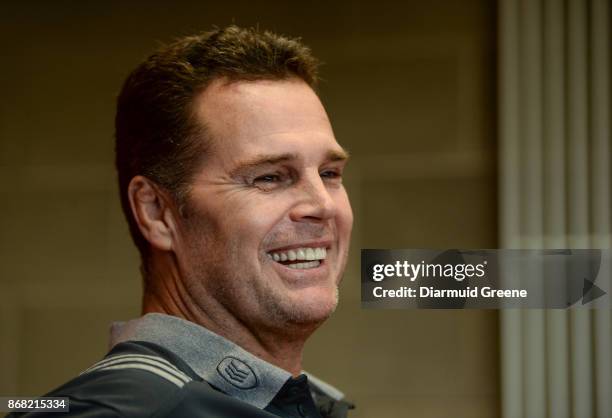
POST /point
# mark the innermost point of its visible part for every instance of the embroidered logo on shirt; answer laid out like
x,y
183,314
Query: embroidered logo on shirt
x,y
237,373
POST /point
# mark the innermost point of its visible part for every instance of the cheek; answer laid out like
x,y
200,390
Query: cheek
x,y
252,222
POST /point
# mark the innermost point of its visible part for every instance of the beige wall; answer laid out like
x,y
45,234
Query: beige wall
x,y
410,89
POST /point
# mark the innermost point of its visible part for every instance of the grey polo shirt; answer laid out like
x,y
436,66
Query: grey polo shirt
x,y
221,363
163,366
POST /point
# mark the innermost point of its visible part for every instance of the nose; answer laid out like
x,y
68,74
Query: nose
x,y
314,202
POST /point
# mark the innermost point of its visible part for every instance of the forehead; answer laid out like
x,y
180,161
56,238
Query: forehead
x,y
257,116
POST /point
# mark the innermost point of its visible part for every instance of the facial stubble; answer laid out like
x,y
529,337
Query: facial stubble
x,y
253,297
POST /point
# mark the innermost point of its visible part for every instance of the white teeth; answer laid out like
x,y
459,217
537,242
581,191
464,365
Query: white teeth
x,y
310,254
300,254
307,265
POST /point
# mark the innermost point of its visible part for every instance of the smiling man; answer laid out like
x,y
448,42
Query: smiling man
x,y
231,181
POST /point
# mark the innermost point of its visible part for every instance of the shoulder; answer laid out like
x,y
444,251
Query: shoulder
x,y
148,363
139,379
134,380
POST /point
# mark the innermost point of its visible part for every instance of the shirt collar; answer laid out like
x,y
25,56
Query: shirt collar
x,y
217,360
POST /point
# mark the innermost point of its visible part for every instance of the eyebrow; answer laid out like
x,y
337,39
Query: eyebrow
x,y
272,159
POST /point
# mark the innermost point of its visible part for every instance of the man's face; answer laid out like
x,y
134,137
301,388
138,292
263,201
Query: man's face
x,y
266,232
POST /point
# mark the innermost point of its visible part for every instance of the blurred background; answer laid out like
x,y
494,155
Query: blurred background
x,y
452,147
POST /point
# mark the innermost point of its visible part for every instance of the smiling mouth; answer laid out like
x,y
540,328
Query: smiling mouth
x,y
300,258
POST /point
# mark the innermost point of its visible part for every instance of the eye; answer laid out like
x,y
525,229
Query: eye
x,y
331,175
271,181
268,178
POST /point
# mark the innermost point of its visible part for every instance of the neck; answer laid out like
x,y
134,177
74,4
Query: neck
x,y
165,292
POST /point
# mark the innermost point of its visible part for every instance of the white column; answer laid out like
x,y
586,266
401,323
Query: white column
x,y
601,185
578,210
557,360
510,330
534,360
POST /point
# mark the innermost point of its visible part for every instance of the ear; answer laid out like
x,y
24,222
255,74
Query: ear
x,y
151,208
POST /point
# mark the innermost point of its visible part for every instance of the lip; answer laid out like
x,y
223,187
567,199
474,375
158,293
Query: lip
x,y
314,244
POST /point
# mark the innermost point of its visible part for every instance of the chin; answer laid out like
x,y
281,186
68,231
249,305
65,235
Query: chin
x,y
311,307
